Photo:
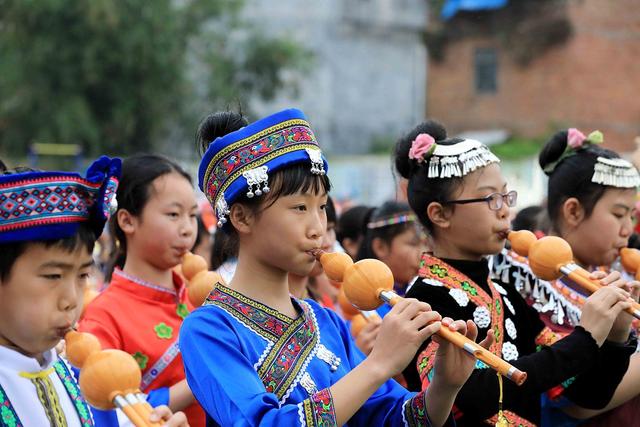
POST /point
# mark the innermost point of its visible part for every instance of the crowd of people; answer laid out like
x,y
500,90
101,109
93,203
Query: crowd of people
x,y
276,341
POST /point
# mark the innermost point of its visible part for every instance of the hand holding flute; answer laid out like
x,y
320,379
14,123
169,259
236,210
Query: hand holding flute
x,y
369,283
551,257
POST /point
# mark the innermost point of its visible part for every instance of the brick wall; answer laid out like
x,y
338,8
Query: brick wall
x,y
590,82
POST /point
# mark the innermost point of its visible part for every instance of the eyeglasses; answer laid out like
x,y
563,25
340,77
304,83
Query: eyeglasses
x,y
494,200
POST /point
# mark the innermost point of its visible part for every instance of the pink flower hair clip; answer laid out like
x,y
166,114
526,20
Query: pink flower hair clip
x,y
575,138
423,145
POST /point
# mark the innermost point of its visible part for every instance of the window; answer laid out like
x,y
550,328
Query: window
x,y
486,67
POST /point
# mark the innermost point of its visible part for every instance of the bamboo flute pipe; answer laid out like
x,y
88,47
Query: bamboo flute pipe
x,y
121,403
141,407
551,257
369,283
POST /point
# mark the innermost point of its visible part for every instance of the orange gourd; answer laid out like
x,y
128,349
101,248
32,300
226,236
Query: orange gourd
x,y
547,255
348,310
201,285
363,282
106,373
630,259
192,264
521,241
79,346
357,323
335,264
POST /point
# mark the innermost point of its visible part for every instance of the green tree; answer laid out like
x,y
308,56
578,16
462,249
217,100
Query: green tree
x,y
128,75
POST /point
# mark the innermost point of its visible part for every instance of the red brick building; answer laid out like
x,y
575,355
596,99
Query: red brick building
x,y
590,80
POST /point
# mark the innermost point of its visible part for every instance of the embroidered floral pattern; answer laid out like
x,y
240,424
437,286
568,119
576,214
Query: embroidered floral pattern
x,y
318,410
230,162
7,413
415,412
163,331
547,337
182,310
265,321
424,364
71,386
292,342
453,279
488,313
142,359
288,355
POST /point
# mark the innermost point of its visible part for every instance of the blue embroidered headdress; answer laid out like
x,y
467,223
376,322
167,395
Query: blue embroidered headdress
x,y
52,205
240,162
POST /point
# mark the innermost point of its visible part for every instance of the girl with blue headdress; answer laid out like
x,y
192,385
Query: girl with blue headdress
x,y
255,355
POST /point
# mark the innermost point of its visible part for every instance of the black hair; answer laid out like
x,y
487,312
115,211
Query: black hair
x,y
386,233
225,247
422,190
283,182
202,231
352,224
634,241
528,219
134,190
571,176
10,252
331,211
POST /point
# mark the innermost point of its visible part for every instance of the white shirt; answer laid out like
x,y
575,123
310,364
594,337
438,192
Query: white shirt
x,y
22,392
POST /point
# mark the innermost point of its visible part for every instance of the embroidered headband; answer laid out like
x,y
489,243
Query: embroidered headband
x,y
399,218
240,162
446,161
52,205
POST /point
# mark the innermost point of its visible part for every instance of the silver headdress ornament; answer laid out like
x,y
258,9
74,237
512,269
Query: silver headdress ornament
x,y
615,173
257,177
317,164
459,159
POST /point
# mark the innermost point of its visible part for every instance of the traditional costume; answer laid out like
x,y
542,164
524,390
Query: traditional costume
x,y
465,290
559,302
248,364
41,206
157,314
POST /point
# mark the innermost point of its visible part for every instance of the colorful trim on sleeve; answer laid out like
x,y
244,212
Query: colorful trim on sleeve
x,y
425,362
73,390
547,337
318,410
414,411
8,416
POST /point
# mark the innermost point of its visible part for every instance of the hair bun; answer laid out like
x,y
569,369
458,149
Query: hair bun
x,y
403,163
218,124
553,149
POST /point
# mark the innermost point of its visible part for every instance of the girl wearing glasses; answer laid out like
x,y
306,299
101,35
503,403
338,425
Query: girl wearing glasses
x,y
591,203
457,191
